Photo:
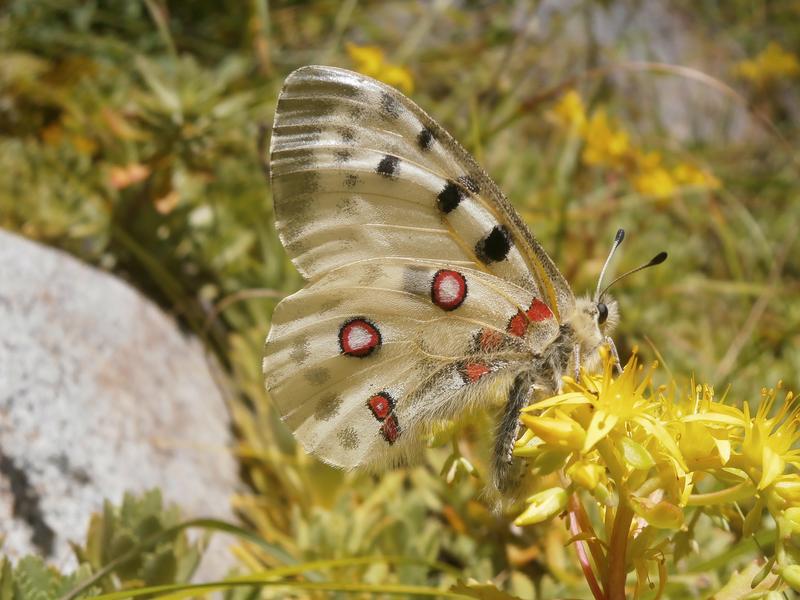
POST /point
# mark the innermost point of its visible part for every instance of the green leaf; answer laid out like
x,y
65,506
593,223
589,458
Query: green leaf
x,y
160,568
6,581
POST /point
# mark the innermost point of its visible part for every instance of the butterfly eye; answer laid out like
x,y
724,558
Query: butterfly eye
x,y
602,313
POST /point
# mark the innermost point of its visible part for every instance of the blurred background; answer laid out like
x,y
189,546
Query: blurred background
x,y
132,137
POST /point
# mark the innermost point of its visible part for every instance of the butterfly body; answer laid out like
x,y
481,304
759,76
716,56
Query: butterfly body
x,y
427,299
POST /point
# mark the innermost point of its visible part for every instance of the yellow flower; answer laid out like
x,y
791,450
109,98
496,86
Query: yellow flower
x,y
635,453
370,60
768,443
654,179
770,64
570,111
606,143
657,182
687,174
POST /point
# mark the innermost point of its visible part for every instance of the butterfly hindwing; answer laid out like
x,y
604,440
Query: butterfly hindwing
x,y
358,170
369,357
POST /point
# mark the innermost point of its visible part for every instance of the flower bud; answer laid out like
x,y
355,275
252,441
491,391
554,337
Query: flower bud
x,y
788,488
636,456
791,575
790,520
585,474
662,515
543,506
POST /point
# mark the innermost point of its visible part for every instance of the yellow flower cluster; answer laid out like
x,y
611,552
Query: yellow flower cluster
x,y
607,144
370,60
641,452
771,64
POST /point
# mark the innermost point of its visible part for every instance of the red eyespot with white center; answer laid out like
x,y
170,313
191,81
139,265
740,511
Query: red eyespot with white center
x,y
381,404
358,337
448,289
538,311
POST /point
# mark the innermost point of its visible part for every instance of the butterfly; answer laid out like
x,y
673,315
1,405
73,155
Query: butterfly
x,y
427,298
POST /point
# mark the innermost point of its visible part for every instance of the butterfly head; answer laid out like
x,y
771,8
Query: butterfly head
x,y
595,318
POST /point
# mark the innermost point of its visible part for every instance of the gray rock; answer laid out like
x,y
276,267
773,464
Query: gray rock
x,y
99,393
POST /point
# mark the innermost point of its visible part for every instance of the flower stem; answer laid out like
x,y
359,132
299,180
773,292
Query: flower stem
x,y
580,548
617,549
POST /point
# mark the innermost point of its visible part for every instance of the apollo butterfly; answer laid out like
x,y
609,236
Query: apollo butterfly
x,y
427,298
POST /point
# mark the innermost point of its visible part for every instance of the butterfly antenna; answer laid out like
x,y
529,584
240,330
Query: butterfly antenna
x,y
617,241
656,260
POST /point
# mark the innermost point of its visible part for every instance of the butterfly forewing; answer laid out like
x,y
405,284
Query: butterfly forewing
x,y
360,170
427,293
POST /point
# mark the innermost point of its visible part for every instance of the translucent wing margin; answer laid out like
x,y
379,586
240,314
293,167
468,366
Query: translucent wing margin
x,y
358,170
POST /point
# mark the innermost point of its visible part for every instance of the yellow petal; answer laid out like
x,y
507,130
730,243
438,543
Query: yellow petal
x,y
724,449
772,466
599,427
561,432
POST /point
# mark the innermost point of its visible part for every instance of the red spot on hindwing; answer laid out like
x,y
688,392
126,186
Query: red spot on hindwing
x,y
382,407
381,404
358,337
518,324
448,289
538,311
391,429
473,372
489,340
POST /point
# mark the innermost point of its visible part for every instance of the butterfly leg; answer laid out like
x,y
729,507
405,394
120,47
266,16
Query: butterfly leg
x,y
614,353
503,463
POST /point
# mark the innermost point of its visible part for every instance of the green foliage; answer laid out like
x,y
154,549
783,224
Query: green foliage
x,y
139,543
32,579
131,529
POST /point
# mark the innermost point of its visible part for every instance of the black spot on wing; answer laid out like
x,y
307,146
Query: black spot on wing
x,y
495,246
390,106
388,166
425,139
450,197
